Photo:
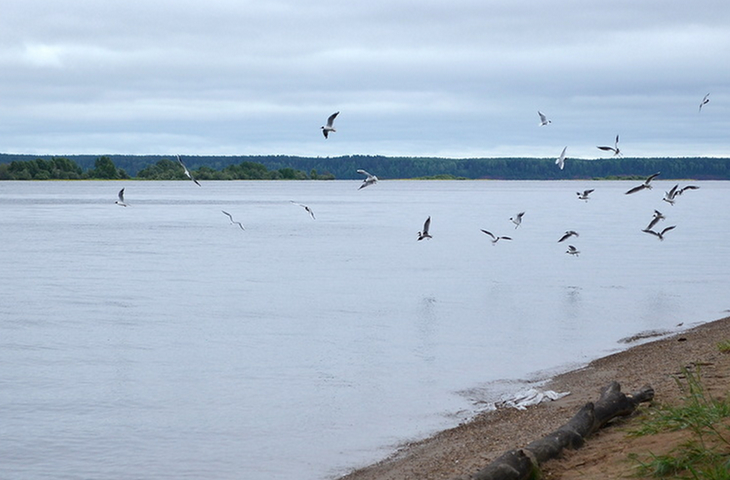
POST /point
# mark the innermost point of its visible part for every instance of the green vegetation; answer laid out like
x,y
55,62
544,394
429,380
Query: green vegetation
x,y
345,167
58,168
165,169
442,176
706,454
724,346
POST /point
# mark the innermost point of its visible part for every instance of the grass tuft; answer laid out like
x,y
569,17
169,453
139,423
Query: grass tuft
x,y
706,455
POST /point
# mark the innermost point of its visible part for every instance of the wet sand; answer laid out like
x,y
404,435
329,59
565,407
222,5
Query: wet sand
x,y
463,450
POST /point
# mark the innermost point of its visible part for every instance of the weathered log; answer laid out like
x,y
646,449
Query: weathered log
x,y
524,463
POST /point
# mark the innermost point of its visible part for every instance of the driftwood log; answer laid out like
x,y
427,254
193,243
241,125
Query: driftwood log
x,y
524,463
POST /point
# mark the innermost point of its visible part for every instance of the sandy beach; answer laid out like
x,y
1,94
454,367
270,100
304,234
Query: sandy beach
x,y
459,452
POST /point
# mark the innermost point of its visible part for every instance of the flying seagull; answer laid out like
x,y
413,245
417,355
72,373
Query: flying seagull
x,y
424,233
371,179
233,222
543,119
517,219
659,235
305,207
657,216
120,202
671,195
613,149
584,195
646,184
688,187
572,250
705,101
326,129
560,161
495,238
568,234
187,173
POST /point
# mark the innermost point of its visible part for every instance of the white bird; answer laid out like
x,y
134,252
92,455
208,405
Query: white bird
x,y
560,161
572,250
659,235
120,202
424,233
371,179
517,219
543,119
305,207
657,217
705,101
233,222
568,234
613,149
187,173
646,184
496,238
584,195
326,129
671,195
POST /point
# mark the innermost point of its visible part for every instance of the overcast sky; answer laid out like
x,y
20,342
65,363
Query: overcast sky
x,y
459,78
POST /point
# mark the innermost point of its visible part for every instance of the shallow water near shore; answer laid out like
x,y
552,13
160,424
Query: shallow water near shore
x,y
160,341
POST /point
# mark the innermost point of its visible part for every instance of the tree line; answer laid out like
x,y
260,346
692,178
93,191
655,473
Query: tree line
x,y
272,167
60,168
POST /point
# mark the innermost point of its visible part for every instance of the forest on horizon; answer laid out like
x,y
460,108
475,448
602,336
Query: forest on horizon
x,y
285,167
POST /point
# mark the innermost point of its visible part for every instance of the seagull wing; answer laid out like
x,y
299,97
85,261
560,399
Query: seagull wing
x,y
667,229
426,225
490,234
331,119
228,215
636,189
688,187
652,177
608,149
121,195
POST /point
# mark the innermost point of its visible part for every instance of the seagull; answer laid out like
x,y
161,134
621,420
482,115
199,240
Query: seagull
x,y
232,220
543,119
705,101
657,216
646,184
120,202
424,233
613,149
568,234
326,129
572,250
187,173
688,187
660,235
560,161
584,195
517,219
495,238
305,207
670,196
371,179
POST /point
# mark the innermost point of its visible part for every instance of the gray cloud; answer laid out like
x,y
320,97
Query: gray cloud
x,y
458,78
